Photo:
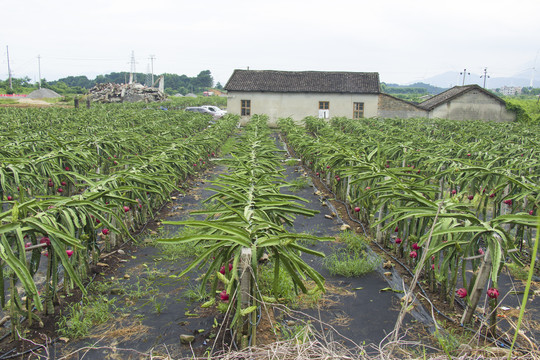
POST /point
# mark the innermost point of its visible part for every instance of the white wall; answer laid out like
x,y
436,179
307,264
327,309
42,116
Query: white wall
x,y
473,105
299,105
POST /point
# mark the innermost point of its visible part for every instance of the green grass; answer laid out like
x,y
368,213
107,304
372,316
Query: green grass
x,y
353,260
176,251
79,318
298,184
517,271
8,101
345,263
354,241
291,162
196,293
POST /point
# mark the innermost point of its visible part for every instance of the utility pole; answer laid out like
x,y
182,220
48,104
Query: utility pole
x,y
464,73
39,69
485,76
9,69
152,58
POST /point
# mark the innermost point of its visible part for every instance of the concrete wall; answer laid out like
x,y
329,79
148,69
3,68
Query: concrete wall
x,y
299,105
391,107
473,105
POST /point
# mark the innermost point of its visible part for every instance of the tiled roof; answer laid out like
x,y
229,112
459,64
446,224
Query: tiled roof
x,y
453,93
303,81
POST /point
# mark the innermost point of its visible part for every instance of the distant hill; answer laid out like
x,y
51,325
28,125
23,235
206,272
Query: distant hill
x,y
416,88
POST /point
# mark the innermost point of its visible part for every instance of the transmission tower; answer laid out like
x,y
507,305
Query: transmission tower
x,y
152,58
132,74
9,69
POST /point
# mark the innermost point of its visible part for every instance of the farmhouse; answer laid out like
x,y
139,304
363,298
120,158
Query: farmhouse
x,y
355,95
298,94
470,102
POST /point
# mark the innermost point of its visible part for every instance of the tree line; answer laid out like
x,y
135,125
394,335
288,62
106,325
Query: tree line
x,y
81,84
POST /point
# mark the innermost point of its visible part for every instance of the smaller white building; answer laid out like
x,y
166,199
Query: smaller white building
x,y
298,94
510,90
470,102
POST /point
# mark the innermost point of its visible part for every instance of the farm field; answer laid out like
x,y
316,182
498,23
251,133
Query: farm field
x,y
77,184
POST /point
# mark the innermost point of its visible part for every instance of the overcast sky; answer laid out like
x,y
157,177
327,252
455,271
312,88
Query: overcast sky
x,y
404,40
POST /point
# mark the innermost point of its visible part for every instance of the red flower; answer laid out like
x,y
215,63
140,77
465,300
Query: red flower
x,y
461,293
224,296
69,253
415,246
28,244
357,209
481,251
63,183
98,221
51,184
9,198
317,174
413,254
368,188
126,208
432,266
454,192
45,253
60,190
531,212
328,167
470,197
492,195
398,241
45,240
396,229
105,231
493,293
67,168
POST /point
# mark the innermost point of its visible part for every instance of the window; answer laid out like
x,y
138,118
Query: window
x,y
358,110
245,107
324,105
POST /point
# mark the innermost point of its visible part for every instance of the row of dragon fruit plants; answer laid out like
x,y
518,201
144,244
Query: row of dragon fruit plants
x,y
245,219
74,183
475,184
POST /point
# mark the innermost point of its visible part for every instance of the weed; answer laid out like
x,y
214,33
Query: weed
x,y
196,293
80,317
158,305
354,241
350,264
298,184
291,162
285,288
265,283
519,272
184,250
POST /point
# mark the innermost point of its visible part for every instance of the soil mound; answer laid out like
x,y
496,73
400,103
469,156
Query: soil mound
x,y
43,94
